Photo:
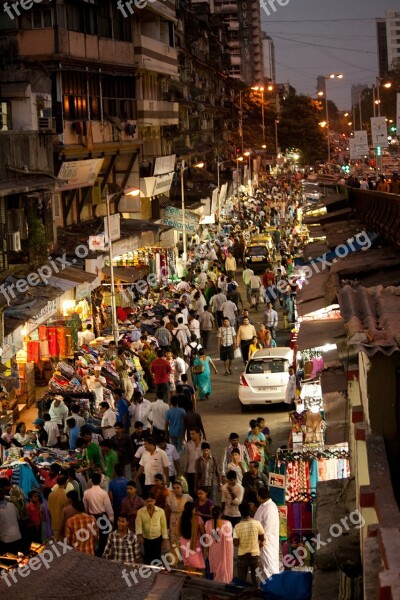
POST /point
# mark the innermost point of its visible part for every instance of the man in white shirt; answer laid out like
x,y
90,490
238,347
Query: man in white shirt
x,y
201,279
268,515
182,333
271,319
108,420
53,431
95,384
183,286
180,367
140,410
97,503
157,415
194,326
280,267
216,303
229,310
247,275
153,461
58,411
173,457
87,335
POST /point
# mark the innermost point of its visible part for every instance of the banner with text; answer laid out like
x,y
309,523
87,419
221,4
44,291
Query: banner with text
x,y
176,213
379,131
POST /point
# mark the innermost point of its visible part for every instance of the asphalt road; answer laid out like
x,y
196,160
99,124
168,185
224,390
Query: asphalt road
x,y
222,414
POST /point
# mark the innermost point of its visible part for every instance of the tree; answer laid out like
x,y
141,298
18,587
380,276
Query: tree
x,y
299,127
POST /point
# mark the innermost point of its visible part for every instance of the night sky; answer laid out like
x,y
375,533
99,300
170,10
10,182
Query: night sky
x,y
319,37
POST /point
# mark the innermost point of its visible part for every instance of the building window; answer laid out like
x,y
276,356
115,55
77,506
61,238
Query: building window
x,y
75,96
5,116
42,18
122,26
119,97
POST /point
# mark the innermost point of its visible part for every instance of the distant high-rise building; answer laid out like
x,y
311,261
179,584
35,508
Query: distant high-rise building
x,y
244,39
269,58
388,39
321,84
356,90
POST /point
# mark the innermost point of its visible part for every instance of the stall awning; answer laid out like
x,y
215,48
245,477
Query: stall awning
x,y
25,307
126,274
314,334
70,278
23,185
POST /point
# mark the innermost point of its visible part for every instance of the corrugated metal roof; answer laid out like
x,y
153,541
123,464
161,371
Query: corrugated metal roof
x,y
372,318
331,216
374,259
30,183
127,274
313,334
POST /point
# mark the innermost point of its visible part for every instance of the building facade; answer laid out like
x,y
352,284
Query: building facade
x,y
269,58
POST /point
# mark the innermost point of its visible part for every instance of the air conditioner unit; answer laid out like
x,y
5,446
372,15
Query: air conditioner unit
x,y
14,241
45,123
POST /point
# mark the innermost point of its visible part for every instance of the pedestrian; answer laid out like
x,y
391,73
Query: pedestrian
x,y
130,504
229,311
174,427
220,546
53,431
254,346
192,420
193,452
163,337
173,509
230,265
271,319
253,481
122,406
56,503
122,443
268,515
208,474
246,276
95,383
248,537
269,342
82,521
246,333
153,461
97,503
226,344
207,322
122,368
232,496
188,389
234,444
190,528
158,415
117,490
203,503
174,459
237,465
151,530
110,457
202,374
290,394
161,371
122,544
140,409
216,304
235,296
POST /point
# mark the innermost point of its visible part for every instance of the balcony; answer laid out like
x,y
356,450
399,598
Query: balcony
x,y
41,43
153,55
157,112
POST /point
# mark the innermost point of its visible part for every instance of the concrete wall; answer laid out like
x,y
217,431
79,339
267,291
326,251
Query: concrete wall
x,y
24,148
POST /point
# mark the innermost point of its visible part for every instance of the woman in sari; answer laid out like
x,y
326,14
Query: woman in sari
x,y
190,528
202,374
220,546
175,504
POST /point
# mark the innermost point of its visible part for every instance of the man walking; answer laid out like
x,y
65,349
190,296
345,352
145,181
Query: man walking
x,y
206,326
290,395
248,537
229,310
247,275
151,530
226,344
161,371
216,303
232,496
230,265
271,319
244,337
268,515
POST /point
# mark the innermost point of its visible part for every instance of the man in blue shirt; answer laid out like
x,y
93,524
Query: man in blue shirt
x,y
73,432
117,490
122,407
174,424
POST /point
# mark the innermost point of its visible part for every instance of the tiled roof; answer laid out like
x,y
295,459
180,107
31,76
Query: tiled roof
x,y
371,316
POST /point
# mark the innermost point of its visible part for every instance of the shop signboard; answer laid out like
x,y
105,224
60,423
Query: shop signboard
x,y
354,152
379,131
115,227
79,173
14,341
178,225
361,142
164,164
97,242
176,213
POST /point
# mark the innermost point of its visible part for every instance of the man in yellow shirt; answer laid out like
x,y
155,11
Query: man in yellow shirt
x,y
244,337
151,529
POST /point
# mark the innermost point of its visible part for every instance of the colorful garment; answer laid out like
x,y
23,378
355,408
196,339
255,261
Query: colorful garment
x,y
220,552
202,381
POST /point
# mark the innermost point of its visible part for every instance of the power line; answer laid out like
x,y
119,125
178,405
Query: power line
x,y
324,20
323,45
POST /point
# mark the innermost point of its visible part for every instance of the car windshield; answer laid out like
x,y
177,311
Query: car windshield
x,y
257,251
267,365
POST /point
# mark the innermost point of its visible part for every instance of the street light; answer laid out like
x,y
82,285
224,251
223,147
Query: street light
x,y
114,320
238,159
322,93
199,165
258,88
376,98
248,154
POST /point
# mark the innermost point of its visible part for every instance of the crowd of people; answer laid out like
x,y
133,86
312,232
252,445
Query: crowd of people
x,y
146,480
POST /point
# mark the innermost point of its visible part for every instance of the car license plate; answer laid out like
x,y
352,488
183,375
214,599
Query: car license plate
x,y
257,258
267,389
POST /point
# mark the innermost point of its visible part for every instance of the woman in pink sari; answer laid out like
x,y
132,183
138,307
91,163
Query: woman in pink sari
x,y
219,544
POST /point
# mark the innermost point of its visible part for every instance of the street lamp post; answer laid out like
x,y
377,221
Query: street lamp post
x,y
331,76
276,138
238,159
114,320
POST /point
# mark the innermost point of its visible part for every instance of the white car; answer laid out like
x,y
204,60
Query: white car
x,y
265,377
